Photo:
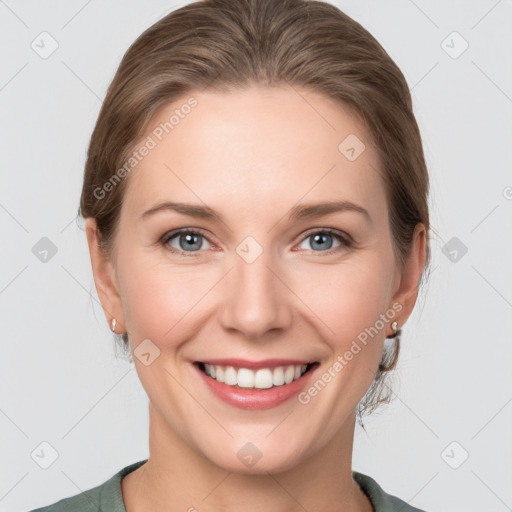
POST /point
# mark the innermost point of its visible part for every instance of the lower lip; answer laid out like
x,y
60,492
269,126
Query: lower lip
x,y
255,399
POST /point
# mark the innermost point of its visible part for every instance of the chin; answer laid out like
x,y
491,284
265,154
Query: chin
x,y
252,459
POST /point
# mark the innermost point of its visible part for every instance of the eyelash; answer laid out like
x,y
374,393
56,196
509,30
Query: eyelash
x,y
344,239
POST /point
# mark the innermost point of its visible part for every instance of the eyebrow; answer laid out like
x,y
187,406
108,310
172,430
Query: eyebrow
x,y
192,210
302,211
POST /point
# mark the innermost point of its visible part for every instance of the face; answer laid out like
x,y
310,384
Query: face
x,y
256,274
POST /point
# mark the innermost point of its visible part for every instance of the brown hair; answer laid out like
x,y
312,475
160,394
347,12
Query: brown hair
x,y
225,44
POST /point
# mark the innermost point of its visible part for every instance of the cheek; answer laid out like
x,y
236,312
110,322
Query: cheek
x,y
159,299
348,298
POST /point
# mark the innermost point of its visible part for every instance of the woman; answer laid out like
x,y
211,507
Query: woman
x,y
256,205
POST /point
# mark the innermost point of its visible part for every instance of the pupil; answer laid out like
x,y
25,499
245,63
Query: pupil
x,y
320,238
191,241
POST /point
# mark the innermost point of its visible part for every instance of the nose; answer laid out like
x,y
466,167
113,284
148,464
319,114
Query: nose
x,y
257,300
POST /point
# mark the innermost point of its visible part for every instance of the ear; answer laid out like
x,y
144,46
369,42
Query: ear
x,y
104,277
409,279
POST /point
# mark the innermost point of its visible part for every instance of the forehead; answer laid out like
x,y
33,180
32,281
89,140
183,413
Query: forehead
x,y
255,146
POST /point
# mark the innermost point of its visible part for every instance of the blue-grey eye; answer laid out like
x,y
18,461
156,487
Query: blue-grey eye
x,y
322,240
188,241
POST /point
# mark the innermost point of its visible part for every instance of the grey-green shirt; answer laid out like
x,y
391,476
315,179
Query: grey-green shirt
x,y
107,497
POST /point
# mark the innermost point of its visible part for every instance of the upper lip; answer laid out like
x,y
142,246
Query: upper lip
x,y
255,365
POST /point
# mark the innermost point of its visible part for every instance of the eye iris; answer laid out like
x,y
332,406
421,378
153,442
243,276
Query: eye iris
x,y
320,238
191,241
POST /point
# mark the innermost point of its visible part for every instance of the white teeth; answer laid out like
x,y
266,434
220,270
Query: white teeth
x,y
288,374
278,376
245,378
263,378
219,373
229,376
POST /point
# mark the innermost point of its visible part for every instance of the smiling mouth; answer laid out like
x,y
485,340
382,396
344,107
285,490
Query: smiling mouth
x,y
262,378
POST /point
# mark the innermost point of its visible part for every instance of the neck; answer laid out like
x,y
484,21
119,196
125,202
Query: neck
x,y
177,474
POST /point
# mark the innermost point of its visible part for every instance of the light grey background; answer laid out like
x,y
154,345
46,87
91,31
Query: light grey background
x,y
62,382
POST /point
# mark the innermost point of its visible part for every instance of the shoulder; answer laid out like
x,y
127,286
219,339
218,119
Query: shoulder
x,y
87,501
381,500
106,497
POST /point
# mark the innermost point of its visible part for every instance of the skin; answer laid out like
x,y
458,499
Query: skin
x,y
252,155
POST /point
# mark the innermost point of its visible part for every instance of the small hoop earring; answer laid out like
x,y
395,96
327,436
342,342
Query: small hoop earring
x,y
394,326
113,328
396,334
